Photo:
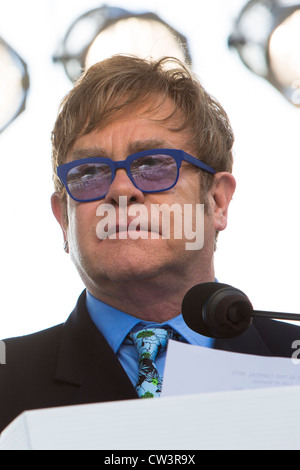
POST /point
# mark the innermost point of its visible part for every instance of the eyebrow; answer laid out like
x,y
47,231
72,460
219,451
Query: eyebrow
x,y
88,152
134,147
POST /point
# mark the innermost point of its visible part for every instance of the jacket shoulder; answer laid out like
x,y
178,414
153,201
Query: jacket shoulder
x,y
32,348
279,336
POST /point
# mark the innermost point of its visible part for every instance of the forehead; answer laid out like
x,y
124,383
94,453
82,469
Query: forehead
x,y
152,125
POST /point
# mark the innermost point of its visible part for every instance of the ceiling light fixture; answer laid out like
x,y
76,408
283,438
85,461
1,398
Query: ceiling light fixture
x,y
14,85
105,31
267,36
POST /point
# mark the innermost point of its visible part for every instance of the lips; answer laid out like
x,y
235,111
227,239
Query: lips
x,y
127,222
133,230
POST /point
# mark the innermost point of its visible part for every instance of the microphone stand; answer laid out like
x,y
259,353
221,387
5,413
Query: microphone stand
x,y
275,315
244,311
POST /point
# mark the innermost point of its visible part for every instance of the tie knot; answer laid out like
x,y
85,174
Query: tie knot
x,y
150,341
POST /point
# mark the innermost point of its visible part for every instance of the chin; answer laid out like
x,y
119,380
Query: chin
x,y
134,259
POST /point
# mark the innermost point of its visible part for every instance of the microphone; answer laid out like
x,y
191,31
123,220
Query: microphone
x,y
222,311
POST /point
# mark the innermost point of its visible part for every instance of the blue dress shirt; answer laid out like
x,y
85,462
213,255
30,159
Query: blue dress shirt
x,y
115,325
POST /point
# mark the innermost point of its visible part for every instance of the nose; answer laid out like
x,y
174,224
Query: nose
x,y
123,186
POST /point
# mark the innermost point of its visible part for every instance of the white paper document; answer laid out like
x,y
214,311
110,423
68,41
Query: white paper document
x,y
262,419
193,369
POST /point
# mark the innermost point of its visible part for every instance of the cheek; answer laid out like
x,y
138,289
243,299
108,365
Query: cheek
x,y
82,222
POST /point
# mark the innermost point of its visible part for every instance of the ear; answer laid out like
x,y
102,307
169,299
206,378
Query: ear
x,y
222,192
58,204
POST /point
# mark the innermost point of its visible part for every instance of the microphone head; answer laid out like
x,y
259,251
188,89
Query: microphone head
x,y
217,310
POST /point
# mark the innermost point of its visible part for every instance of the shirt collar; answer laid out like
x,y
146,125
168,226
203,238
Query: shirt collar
x,y
111,322
115,324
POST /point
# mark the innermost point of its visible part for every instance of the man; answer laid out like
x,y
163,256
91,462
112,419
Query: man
x,y
178,141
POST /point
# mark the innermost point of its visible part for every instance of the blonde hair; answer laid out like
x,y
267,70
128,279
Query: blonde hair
x,y
122,81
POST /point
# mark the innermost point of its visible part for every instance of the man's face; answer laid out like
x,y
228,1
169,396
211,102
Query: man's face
x,y
102,262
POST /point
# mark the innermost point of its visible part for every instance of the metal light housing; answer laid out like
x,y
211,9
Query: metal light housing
x,y
14,84
266,36
105,31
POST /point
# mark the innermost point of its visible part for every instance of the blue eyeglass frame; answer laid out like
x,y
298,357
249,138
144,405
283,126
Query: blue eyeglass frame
x,y
178,155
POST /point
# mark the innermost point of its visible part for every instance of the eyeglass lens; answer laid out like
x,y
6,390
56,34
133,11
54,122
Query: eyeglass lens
x,y
149,173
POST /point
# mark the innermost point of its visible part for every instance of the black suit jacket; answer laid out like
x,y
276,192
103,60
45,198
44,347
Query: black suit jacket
x,y
73,364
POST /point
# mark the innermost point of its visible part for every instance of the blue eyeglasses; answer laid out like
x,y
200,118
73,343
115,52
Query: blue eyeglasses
x,y
151,171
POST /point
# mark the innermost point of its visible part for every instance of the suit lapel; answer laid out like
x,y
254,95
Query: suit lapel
x,y
250,342
86,360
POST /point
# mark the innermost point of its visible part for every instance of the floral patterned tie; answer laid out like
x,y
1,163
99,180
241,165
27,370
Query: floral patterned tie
x,y
149,343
